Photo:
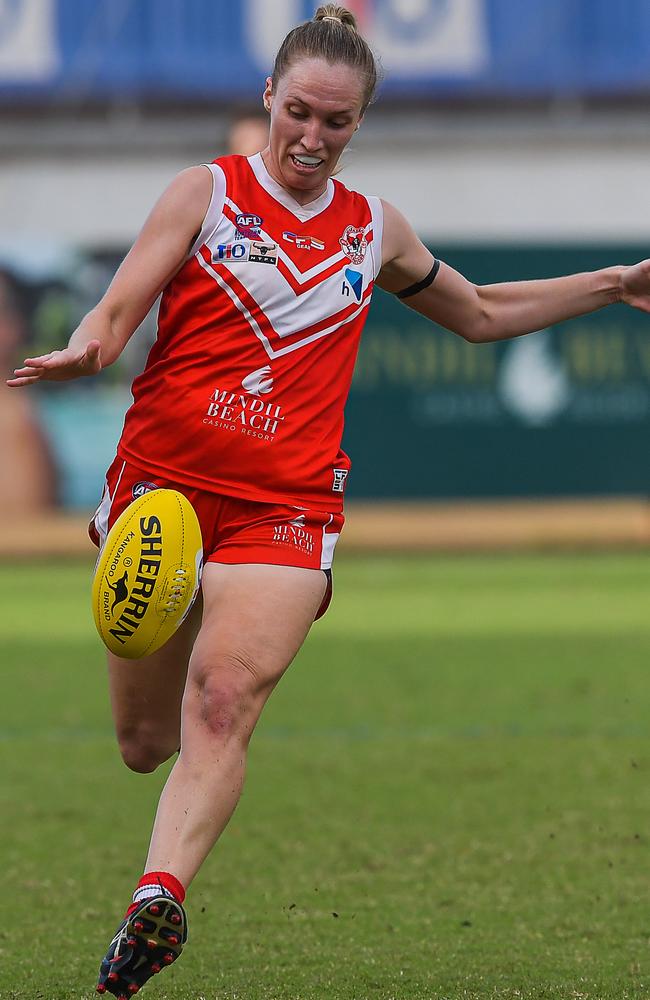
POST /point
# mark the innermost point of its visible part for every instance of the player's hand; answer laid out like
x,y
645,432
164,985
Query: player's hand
x,y
59,366
635,286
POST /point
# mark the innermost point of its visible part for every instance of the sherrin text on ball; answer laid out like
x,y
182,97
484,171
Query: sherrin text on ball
x,y
148,573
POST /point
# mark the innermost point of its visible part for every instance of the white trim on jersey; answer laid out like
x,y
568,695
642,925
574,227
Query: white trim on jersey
x,y
250,319
377,210
302,277
272,353
103,512
215,208
328,546
301,212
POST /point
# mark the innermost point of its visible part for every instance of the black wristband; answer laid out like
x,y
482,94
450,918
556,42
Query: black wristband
x,y
419,285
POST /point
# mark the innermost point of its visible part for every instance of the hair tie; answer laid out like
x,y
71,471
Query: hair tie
x,y
328,17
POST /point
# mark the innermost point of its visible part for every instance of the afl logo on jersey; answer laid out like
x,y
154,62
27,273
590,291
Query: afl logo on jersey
x,y
354,244
248,226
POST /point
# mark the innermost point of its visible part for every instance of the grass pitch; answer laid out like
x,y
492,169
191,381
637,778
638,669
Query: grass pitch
x,y
448,794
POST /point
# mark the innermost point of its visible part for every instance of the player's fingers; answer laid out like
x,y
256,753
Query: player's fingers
x,y
15,383
58,364
38,362
92,360
28,371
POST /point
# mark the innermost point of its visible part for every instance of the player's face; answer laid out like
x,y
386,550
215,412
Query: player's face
x,y
315,110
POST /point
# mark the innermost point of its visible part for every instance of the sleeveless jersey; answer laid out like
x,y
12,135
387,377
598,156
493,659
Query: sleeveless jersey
x,y
244,389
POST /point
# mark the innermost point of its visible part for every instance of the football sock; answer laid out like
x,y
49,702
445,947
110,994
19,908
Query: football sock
x,y
156,884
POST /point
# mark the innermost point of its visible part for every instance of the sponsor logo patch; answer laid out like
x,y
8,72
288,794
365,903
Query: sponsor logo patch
x,y
355,279
263,253
259,382
354,244
340,475
230,252
303,242
246,412
254,251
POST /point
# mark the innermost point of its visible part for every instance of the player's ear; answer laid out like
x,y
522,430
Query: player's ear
x,y
358,125
267,96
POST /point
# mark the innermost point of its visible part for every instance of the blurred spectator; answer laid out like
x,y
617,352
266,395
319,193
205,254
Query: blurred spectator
x,y
27,473
248,135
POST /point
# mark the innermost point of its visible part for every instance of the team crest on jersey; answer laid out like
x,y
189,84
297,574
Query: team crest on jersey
x,y
354,244
248,226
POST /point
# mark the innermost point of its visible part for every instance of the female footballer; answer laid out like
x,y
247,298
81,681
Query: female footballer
x,y
266,266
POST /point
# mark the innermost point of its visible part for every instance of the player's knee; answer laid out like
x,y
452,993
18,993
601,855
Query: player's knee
x,y
144,754
228,697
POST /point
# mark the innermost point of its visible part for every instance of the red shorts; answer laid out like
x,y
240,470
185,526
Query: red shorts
x,y
234,531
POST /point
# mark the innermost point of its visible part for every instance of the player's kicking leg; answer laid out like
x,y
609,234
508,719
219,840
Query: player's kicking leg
x,y
146,697
255,618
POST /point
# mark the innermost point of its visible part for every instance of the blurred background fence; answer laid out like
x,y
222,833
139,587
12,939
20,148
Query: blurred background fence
x,y
58,50
513,135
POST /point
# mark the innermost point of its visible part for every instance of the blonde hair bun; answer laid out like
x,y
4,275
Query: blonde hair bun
x,y
332,12
331,35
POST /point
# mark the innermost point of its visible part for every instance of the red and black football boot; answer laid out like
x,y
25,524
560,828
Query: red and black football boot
x,y
149,939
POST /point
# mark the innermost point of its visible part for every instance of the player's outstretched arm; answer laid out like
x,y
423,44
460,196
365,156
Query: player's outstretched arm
x,y
486,313
158,253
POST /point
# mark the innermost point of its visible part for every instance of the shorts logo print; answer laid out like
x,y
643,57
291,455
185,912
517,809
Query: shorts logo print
x,y
340,475
140,489
295,534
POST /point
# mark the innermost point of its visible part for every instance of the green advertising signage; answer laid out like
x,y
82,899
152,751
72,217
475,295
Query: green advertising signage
x,y
563,412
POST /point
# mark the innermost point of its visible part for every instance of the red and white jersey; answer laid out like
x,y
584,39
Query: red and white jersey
x,y
244,390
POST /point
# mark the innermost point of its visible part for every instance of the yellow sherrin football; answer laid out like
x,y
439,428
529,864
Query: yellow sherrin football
x,y
148,573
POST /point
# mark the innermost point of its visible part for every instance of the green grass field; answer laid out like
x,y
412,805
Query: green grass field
x,y
448,795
